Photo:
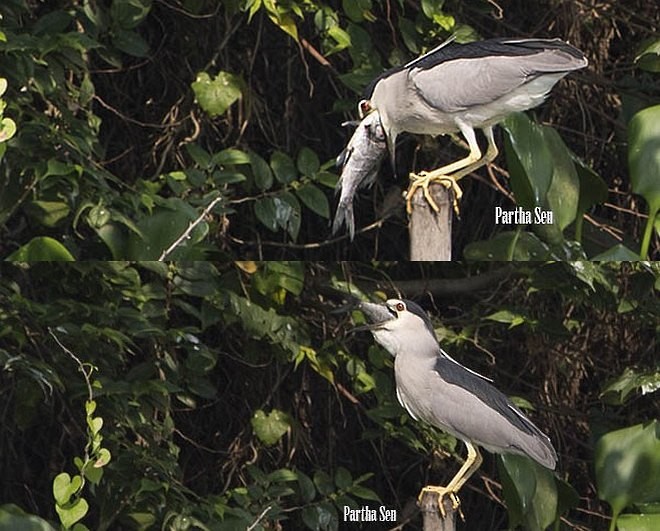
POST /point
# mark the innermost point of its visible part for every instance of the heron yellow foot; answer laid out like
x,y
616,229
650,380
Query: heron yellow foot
x,y
442,492
423,180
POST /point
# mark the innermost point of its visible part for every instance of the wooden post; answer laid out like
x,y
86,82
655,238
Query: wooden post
x,y
430,233
433,520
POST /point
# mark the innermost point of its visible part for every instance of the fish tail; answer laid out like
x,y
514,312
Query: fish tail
x,y
344,216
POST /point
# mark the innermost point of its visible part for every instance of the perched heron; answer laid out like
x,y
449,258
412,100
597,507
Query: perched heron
x,y
460,87
435,388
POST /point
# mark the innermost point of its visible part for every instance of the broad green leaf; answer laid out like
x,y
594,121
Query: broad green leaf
x,y
530,492
308,162
506,316
638,522
48,213
562,196
7,129
306,486
648,57
618,390
216,95
13,517
64,487
519,246
199,155
70,515
127,14
103,458
282,474
265,211
263,176
283,167
593,190
627,464
231,156
130,42
324,483
270,428
287,213
343,478
618,253
159,230
529,160
286,23
644,164
41,248
314,199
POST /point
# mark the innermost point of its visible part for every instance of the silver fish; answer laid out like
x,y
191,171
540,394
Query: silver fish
x,y
359,162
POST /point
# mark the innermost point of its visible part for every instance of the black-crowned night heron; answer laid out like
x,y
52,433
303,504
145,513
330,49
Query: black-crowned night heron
x,y
435,388
460,87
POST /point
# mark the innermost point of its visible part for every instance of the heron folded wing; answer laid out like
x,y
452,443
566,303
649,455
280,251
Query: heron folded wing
x,y
463,84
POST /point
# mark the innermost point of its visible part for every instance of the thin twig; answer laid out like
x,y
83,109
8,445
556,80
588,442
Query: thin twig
x,y
259,518
191,226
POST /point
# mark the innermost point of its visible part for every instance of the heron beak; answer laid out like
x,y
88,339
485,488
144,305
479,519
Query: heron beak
x,y
377,314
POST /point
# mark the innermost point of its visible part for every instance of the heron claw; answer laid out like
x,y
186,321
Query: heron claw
x,y
442,492
422,180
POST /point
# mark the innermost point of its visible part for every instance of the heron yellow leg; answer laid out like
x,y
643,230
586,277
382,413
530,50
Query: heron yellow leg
x,y
449,175
472,463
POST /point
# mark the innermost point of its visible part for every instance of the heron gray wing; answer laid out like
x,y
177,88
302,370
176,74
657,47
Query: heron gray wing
x,y
454,373
461,84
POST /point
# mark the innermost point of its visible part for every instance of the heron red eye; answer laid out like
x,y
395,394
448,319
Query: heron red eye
x,y
400,306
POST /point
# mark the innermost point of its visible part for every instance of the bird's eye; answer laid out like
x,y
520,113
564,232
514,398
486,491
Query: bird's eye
x,y
400,307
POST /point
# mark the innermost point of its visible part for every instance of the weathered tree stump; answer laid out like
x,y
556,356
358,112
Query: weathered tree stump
x,y
433,519
430,233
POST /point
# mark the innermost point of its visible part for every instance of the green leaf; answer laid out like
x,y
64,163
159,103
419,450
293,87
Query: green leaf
x,y
130,42
314,199
48,213
70,515
627,464
41,248
529,160
283,474
530,492
638,522
128,14
644,164
13,517
308,162
64,487
324,483
231,156
263,176
563,193
506,316
265,211
649,56
593,190
7,129
618,253
199,155
283,167
216,95
95,424
287,213
617,391
306,486
343,478
270,428
513,245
